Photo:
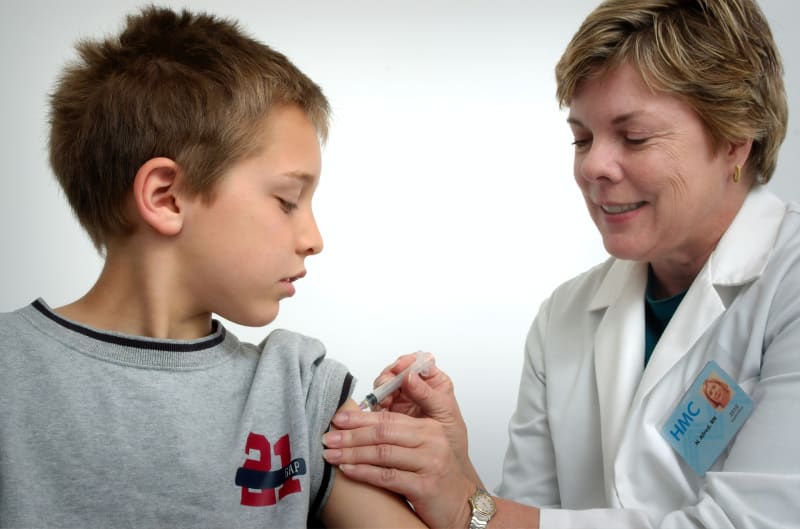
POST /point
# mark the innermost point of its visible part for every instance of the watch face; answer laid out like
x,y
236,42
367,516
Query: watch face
x,y
484,503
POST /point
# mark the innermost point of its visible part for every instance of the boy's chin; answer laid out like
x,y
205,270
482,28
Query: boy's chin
x,y
254,318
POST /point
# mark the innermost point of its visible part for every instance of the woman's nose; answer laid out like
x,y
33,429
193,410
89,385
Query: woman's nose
x,y
598,161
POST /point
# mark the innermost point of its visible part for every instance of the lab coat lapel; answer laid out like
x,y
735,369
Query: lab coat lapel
x,y
698,310
618,349
739,259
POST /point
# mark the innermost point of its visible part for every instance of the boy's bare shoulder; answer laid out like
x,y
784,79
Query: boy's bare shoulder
x,y
353,504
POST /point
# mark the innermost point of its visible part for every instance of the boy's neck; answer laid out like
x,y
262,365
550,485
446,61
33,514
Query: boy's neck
x,y
138,296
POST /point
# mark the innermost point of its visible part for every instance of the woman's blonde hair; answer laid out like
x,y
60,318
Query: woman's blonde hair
x,y
718,55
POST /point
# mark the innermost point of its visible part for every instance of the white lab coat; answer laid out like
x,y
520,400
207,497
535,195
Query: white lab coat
x,y
585,442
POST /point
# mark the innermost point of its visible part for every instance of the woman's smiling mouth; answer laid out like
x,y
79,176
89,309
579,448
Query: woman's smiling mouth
x,y
616,209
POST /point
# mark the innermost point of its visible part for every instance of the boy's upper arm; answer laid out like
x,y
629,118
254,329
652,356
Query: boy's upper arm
x,y
352,504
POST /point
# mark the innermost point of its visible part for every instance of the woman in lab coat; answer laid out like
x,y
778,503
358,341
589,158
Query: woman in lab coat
x,y
677,110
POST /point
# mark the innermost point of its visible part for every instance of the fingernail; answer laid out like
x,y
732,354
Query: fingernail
x,y
341,418
332,455
345,467
331,438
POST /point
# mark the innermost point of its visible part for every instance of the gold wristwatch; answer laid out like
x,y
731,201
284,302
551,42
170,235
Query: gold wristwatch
x,y
483,508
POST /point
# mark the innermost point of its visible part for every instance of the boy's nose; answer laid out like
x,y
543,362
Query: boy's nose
x,y
310,240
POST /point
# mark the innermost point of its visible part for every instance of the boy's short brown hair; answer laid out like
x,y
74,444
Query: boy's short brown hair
x,y
187,86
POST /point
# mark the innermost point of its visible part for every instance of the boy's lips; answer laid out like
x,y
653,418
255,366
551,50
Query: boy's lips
x,y
294,278
288,281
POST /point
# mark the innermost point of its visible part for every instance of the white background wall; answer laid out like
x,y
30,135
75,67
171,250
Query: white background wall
x,y
447,201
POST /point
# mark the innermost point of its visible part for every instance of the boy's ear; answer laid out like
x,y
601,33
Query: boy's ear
x,y
155,194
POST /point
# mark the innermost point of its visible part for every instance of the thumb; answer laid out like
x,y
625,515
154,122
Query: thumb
x,y
434,404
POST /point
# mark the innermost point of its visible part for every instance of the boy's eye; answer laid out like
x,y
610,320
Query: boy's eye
x,y
286,206
579,143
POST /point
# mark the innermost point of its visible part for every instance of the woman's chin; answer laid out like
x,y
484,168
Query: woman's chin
x,y
623,250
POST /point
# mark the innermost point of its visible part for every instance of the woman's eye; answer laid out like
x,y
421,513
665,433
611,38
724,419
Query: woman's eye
x,y
286,206
636,141
578,143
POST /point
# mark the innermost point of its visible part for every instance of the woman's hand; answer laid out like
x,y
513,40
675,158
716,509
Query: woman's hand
x,y
416,446
434,399
401,401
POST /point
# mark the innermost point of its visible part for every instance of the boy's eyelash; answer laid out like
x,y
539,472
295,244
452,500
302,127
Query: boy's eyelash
x,y
287,206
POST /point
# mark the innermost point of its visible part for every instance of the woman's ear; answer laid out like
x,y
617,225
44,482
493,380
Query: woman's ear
x,y
739,152
155,195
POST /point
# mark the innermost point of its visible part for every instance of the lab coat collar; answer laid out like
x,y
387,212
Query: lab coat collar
x,y
619,274
740,255
743,250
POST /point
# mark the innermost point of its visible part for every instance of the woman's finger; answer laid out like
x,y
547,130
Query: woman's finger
x,y
399,365
382,432
386,456
399,481
351,419
391,370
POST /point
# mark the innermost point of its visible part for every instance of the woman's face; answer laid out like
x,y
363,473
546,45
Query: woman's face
x,y
716,393
655,185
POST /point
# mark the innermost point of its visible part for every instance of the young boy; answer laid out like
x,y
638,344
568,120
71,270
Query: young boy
x,y
190,154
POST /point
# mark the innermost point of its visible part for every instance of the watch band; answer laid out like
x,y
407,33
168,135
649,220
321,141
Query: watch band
x,y
483,508
475,523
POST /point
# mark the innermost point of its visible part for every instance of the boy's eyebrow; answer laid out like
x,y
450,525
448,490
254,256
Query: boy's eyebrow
x,y
301,175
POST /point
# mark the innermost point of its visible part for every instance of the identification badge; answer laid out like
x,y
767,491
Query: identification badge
x,y
708,416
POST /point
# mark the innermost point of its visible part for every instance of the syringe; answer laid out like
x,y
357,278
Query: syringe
x,y
421,365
